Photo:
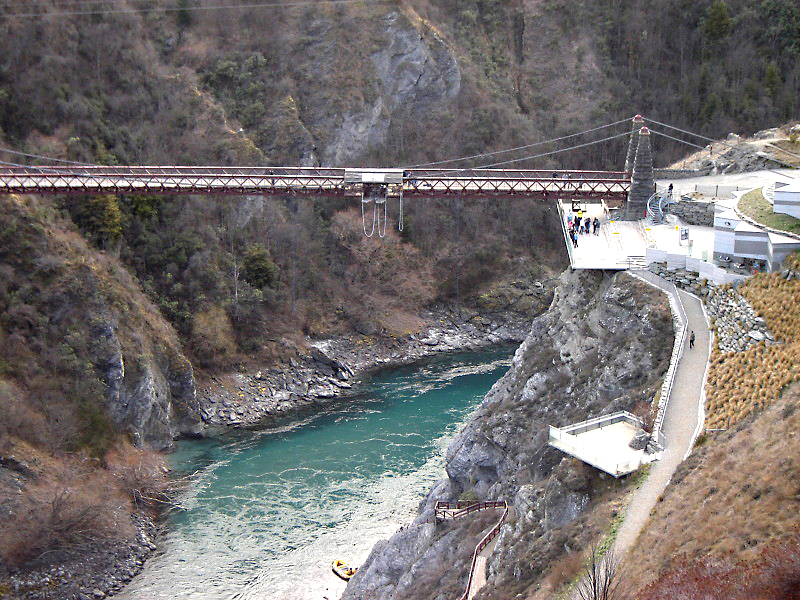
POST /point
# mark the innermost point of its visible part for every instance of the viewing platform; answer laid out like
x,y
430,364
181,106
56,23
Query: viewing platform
x,y
603,442
621,245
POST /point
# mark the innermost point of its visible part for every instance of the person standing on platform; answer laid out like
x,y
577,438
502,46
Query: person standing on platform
x,y
596,224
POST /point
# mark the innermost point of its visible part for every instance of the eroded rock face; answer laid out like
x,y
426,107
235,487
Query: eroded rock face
x,y
414,72
150,393
603,346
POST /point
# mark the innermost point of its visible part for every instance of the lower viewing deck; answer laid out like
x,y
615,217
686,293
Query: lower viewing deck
x,y
603,442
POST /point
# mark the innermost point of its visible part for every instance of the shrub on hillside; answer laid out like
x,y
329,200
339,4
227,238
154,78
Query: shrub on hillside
x,y
775,575
259,269
141,473
18,419
212,335
75,506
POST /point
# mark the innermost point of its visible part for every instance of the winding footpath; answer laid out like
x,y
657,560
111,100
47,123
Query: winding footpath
x,y
682,419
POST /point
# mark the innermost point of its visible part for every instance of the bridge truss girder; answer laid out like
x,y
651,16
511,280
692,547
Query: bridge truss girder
x,y
413,183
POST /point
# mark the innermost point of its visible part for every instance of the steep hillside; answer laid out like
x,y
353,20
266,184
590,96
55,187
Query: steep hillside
x,y
603,346
79,336
395,82
87,366
729,507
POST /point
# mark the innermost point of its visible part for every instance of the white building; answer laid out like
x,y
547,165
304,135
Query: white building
x,y
738,242
787,199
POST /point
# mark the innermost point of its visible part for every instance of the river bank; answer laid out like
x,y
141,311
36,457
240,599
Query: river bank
x,y
329,366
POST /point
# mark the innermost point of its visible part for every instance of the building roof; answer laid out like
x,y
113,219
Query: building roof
x,y
793,187
745,227
728,215
778,239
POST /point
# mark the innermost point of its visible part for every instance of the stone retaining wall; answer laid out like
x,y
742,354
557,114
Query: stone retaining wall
x,y
694,213
679,173
736,324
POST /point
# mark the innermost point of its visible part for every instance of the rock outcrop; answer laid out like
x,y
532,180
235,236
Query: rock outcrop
x,y
415,70
100,340
604,345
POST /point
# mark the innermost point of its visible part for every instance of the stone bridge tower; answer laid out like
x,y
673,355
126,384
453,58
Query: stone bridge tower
x,y
639,162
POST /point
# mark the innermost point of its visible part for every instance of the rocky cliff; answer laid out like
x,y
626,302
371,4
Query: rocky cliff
x,y
82,341
604,345
414,71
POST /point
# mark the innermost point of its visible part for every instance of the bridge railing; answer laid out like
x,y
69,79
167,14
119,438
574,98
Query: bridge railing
x,y
452,510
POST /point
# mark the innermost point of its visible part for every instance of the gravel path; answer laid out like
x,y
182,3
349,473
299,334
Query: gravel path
x,y
680,423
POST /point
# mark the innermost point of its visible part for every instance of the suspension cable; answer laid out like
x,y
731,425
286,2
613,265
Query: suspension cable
x,y
131,11
485,154
721,143
39,156
677,139
516,160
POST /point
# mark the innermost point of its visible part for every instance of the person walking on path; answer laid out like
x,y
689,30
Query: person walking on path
x,y
691,340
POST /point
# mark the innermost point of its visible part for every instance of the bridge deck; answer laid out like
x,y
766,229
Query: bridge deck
x,y
314,181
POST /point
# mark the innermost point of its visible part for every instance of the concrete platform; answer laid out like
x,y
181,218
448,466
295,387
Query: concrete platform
x,y
603,443
623,244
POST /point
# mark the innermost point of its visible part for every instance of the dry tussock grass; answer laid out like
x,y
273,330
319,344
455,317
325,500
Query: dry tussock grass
x,y
773,575
729,498
140,473
742,383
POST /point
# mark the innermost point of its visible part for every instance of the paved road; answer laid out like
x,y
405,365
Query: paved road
x,y
752,179
680,422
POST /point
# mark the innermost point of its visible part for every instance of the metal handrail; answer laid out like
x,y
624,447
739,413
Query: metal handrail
x,y
482,544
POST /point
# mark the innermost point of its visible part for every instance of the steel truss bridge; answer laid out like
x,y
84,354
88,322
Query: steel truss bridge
x,y
361,182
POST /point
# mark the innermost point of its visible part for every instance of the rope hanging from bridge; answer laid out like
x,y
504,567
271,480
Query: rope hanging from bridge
x,y
376,200
400,217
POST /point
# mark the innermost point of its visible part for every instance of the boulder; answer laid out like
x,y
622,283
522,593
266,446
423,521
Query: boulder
x,y
640,440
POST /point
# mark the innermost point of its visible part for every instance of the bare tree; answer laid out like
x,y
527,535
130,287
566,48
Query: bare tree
x,y
601,576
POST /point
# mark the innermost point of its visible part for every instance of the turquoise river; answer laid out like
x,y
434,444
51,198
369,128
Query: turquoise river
x,y
268,510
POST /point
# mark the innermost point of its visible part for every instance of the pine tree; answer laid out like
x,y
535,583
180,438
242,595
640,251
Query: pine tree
x,y
718,21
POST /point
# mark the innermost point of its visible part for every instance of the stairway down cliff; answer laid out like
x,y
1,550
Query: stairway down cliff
x,y
603,346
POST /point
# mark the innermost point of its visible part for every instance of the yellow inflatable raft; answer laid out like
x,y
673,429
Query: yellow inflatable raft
x,y
343,570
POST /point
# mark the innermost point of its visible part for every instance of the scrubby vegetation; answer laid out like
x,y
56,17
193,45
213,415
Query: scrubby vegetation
x,y
59,301
757,208
773,575
73,499
728,522
741,383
